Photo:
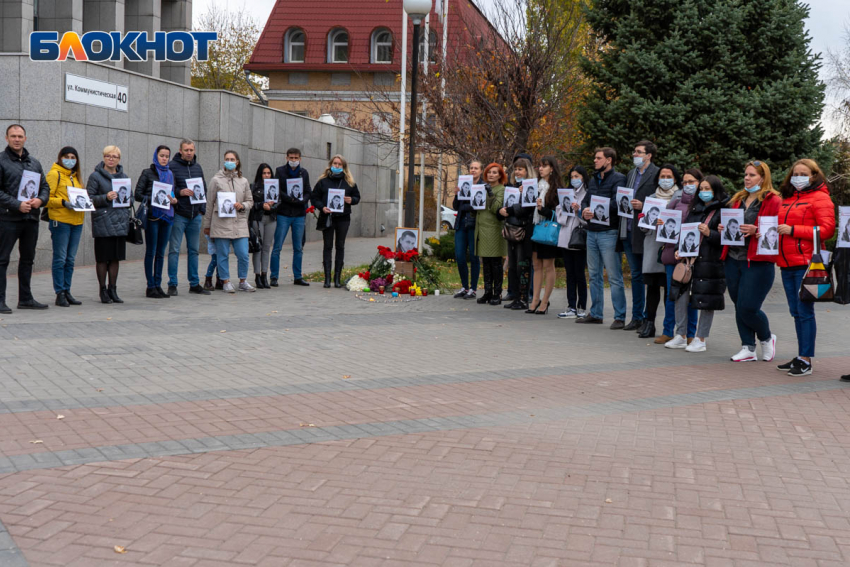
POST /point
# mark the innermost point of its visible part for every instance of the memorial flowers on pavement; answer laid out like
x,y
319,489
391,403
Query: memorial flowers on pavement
x,y
384,271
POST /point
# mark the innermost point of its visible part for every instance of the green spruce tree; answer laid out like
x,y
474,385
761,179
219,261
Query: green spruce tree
x,y
713,83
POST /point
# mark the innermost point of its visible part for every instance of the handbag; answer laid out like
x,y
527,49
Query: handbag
x,y
142,213
255,241
513,233
134,229
841,262
684,270
578,239
817,282
546,232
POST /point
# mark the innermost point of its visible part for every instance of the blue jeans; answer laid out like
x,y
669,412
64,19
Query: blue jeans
x,y
283,226
748,284
602,253
802,312
222,250
636,267
156,240
465,241
670,311
212,265
192,229
66,241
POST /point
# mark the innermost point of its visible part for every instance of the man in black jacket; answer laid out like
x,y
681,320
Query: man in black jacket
x,y
291,213
187,219
19,219
602,241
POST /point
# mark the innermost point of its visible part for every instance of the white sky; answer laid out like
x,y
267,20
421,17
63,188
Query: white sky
x,y
826,24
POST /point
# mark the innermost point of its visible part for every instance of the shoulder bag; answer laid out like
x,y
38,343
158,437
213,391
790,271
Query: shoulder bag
x,y
513,233
134,228
684,270
817,282
578,239
546,232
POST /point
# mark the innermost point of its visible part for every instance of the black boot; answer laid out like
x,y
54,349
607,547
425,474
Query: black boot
x,y
208,285
218,283
488,288
265,279
152,293
61,300
71,299
327,266
338,276
104,295
4,309
113,294
648,330
258,283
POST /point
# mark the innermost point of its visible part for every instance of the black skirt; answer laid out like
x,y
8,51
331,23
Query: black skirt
x,y
110,248
546,252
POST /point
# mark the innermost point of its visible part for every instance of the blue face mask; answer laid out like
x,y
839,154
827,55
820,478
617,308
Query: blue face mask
x,y
706,196
336,170
519,178
576,183
754,189
230,165
69,163
666,183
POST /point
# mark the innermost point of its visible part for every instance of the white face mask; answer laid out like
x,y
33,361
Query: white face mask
x,y
799,181
576,183
638,161
689,189
666,183
294,164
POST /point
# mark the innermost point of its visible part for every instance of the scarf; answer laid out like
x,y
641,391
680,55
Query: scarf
x,y
542,187
666,194
165,176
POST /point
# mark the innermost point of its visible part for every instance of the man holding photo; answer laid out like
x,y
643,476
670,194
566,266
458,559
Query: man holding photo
x,y
291,214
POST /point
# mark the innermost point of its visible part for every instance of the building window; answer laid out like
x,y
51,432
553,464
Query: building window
x,y
296,46
338,46
432,47
382,46
299,78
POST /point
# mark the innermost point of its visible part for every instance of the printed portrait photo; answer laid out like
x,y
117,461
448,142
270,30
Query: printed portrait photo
x,y
511,197
199,193
671,227
479,197
406,239
79,199
336,200
599,209
464,182
226,204
731,221
161,195
122,188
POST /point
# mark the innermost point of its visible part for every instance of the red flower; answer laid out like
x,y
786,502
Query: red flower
x,y
365,275
402,287
311,209
386,252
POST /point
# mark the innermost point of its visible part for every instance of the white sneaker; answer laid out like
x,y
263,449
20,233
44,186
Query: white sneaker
x,y
696,346
768,348
228,287
746,355
677,342
568,314
581,313
245,286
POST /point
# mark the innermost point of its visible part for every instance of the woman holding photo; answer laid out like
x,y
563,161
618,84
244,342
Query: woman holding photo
x,y
465,238
228,232
264,218
575,261
543,255
334,226
749,275
66,224
158,229
805,204
109,224
519,253
489,242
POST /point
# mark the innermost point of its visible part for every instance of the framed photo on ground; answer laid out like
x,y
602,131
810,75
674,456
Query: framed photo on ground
x,y
406,239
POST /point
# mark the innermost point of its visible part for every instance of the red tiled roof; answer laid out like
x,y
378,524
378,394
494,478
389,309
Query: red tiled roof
x,y
360,18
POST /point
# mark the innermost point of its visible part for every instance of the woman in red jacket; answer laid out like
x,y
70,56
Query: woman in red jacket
x,y
805,205
750,276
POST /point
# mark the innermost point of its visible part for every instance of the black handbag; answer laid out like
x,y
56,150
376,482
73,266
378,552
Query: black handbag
x,y
141,214
841,263
578,239
255,241
134,229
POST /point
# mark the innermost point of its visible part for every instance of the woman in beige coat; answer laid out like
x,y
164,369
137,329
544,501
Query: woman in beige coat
x,y
226,221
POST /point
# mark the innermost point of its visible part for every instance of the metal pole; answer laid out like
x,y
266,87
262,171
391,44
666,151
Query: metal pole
x,y
402,116
409,209
445,18
427,43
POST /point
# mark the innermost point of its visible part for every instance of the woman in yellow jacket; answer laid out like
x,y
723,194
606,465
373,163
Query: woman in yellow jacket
x,y
66,224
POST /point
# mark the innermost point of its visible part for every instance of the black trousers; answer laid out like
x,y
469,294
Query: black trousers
x,y
519,267
654,284
575,261
25,233
493,275
337,231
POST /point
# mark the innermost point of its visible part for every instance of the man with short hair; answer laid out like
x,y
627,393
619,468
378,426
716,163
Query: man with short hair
x,y
19,219
406,242
602,241
187,219
291,214
642,179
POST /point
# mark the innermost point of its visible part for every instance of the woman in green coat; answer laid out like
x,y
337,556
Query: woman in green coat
x,y
489,242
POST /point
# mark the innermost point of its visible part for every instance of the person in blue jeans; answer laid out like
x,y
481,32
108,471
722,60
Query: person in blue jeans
x,y
187,219
465,238
602,241
66,224
291,215
212,267
159,220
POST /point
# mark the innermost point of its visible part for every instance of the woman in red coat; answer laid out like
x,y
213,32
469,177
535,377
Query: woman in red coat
x,y
749,276
805,205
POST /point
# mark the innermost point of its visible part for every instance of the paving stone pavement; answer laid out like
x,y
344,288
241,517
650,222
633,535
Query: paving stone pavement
x,y
304,427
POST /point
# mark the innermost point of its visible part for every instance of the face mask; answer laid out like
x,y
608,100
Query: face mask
x,y
576,183
638,161
666,183
706,196
336,170
519,178
294,164
69,163
754,189
230,165
799,181
689,189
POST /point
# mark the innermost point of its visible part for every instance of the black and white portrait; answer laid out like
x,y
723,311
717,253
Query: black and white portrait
x,y
624,201
768,244
671,227
336,200
511,197
464,183
122,188
731,221
599,209
529,193
199,192
652,207
79,199
843,228
689,241
294,188
271,191
479,197
28,188
566,198
406,239
161,195
226,204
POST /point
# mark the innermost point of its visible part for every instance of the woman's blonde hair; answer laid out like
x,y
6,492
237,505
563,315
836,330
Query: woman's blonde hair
x,y
529,169
348,178
110,149
766,183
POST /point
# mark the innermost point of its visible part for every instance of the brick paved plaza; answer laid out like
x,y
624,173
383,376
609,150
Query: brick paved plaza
x,y
304,427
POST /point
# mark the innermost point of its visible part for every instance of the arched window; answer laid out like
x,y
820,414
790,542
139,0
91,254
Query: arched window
x,y
295,46
432,47
382,46
338,46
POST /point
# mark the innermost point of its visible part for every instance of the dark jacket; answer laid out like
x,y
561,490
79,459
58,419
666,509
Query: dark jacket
x,y
12,167
183,170
465,213
708,283
319,198
258,192
106,220
144,187
645,189
289,206
519,215
604,187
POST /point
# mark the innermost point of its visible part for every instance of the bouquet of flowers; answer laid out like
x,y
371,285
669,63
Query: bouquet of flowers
x,y
356,283
377,283
312,210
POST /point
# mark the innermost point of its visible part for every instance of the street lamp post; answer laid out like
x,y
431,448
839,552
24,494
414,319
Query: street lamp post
x,y
417,10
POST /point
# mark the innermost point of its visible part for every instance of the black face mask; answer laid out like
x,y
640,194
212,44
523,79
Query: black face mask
x,y
603,168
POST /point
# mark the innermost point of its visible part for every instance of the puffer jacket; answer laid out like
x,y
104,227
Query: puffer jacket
x,y
12,167
319,197
808,208
769,208
228,227
183,170
604,185
708,282
290,206
59,179
106,220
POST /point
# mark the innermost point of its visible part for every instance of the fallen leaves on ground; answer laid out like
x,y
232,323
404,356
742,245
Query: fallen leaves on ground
x,y
60,416
119,549
346,376
37,442
307,425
